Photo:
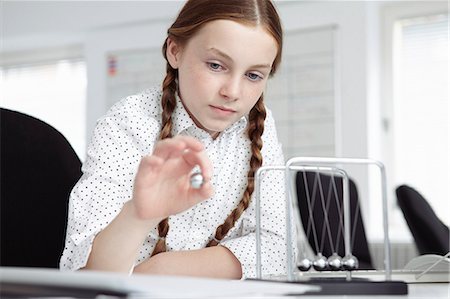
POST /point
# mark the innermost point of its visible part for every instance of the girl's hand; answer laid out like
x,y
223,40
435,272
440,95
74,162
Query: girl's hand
x,y
162,183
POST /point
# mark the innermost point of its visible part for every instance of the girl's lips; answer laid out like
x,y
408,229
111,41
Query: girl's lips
x,y
222,110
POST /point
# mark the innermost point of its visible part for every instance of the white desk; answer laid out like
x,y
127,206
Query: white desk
x,y
143,286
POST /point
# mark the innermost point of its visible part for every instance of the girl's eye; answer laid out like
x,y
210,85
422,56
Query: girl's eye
x,y
214,66
254,77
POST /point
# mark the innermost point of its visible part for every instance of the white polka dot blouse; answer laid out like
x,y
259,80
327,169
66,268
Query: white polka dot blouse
x,y
127,133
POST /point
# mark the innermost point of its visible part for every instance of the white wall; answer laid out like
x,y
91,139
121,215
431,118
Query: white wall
x,y
36,24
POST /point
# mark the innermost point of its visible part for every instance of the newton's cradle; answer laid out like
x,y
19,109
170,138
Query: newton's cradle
x,y
298,267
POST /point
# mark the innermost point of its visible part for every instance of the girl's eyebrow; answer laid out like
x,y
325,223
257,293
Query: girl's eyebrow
x,y
228,58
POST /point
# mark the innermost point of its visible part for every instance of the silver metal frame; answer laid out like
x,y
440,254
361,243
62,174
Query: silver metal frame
x,y
306,163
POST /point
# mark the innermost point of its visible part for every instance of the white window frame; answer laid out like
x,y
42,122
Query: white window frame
x,y
390,14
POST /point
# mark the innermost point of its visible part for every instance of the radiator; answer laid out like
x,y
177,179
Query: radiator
x,y
401,254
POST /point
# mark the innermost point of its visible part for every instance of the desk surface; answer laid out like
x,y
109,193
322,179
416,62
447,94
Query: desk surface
x,y
140,286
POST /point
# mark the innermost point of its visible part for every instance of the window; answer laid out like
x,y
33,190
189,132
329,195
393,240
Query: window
x,y
420,108
54,92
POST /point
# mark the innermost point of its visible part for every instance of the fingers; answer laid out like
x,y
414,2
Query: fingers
x,y
198,195
180,155
206,191
193,158
189,148
162,183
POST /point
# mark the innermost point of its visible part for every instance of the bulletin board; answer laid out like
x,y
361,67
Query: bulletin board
x,y
302,95
133,71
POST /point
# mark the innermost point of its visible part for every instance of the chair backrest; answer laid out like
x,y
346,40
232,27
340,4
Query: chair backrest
x,y
38,170
429,233
320,192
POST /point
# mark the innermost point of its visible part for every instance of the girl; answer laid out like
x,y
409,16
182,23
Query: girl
x,y
134,207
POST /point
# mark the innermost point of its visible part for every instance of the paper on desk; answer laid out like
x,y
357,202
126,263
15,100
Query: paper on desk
x,y
152,286
187,287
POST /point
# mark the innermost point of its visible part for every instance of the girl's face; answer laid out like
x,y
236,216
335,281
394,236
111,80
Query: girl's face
x,y
222,72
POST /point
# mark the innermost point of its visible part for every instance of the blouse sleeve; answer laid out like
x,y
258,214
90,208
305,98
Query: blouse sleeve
x,y
273,216
118,144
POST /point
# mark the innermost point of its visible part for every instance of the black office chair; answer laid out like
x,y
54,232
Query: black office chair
x,y
430,234
307,183
38,170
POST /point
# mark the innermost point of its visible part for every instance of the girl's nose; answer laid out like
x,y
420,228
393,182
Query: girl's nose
x,y
231,88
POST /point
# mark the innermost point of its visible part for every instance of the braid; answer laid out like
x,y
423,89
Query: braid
x,y
255,130
168,103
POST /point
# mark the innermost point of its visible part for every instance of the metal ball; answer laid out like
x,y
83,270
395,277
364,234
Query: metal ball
x,y
304,264
335,262
196,180
320,263
350,262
